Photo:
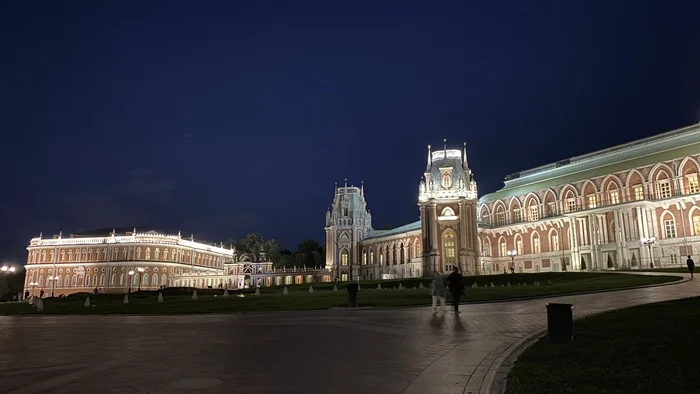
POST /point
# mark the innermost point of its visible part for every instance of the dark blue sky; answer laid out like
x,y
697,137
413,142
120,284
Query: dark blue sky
x,y
222,118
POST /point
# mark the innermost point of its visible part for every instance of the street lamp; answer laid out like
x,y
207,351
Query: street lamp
x,y
140,270
6,269
131,277
649,242
53,280
512,254
33,285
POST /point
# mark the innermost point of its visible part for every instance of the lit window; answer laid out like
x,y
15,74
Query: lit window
x,y
665,189
614,197
504,250
696,224
534,213
448,243
364,258
516,216
371,256
344,277
670,227
519,246
344,257
571,205
555,242
592,203
638,193
536,245
693,184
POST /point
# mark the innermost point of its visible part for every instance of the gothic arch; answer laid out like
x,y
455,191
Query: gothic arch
x,y
502,241
512,200
690,220
566,189
515,243
486,247
550,240
447,211
535,235
587,187
657,170
630,175
530,197
609,180
691,165
499,207
662,219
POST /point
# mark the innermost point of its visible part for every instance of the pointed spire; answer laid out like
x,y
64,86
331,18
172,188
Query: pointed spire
x,y
444,141
179,235
464,159
346,182
114,232
427,168
192,237
60,234
134,231
41,234
362,188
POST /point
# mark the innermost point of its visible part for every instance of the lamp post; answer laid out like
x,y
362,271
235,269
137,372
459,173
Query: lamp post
x,y
53,280
33,285
512,254
140,270
649,242
6,269
131,277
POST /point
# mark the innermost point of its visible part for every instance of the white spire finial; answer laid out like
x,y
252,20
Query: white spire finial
x,y
346,182
60,234
429,161
444,141
464,159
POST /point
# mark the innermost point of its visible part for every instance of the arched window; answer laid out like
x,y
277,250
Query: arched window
x,y
41,280
87,281
102,280
163,280
503,248
156,254
448,245
417,250
554,242
111,281
121,280
59,282
344,257
70,255
145,279
536,243
138,254
364,258
371,256
74,281
135,280
63,255
154,281
148,253
165,254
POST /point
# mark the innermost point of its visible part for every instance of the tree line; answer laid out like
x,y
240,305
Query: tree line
x,y
308,254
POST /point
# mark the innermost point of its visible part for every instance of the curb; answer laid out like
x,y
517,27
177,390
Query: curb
x,y
512,353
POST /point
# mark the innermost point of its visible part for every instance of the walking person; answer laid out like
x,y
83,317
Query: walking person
x,y
691,266
437,291
456,286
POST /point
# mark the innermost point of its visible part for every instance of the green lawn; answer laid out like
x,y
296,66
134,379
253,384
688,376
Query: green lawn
x,y
683,270
646,349
179,300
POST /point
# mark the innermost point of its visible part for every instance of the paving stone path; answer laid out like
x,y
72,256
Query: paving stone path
x,y
363,351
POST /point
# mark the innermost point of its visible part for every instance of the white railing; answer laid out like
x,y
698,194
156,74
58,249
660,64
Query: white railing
x,y
447,194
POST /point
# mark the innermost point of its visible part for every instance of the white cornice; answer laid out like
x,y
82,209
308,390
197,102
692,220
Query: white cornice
x,y
120,264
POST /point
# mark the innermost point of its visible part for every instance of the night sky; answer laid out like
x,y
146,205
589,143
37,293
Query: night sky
x,y
224,118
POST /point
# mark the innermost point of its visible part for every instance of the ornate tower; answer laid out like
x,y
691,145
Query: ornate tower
x,y
447,199
347,223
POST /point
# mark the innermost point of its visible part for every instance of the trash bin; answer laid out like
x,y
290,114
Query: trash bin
x,y
560,323
352,295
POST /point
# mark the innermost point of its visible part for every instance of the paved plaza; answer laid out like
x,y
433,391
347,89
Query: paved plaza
x,y
339,351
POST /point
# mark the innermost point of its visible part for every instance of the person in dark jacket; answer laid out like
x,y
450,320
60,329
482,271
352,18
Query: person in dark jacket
x,y
456,286
691,266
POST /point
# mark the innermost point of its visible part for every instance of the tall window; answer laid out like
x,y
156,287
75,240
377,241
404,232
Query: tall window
x,y
664,189
693,184
148,253
344,257
501,218
592,203
418,251
696,224
614,197
448,243
571,205
344,277
638,193
555,242
519,246
536,244
534,213
516,216
670,228
371,256
364,258
504,249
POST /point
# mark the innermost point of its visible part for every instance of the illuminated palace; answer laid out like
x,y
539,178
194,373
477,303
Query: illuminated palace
x,y
625,207
121,260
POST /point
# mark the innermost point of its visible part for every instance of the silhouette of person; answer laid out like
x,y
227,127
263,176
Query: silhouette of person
x,y
691,266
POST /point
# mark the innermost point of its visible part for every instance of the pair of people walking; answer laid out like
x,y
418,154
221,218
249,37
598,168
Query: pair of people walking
x,y
454,284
